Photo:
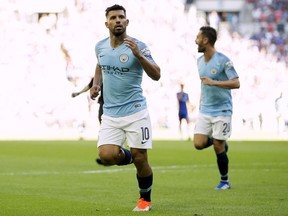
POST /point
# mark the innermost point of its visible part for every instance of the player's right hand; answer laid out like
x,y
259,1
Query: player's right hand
x,y
94,91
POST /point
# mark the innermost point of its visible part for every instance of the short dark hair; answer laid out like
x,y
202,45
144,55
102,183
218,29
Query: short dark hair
x,y
210,33
115,7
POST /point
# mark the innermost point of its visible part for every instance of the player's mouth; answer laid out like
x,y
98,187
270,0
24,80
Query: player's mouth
x,y
118,27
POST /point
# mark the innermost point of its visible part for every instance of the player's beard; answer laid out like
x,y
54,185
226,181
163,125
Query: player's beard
x,y
201,49
118,33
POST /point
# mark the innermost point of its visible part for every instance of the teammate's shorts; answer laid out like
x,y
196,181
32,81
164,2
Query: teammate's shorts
x,y
183,115
136,128
219,127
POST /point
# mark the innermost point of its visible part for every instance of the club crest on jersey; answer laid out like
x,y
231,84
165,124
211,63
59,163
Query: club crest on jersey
x,y
213,71
123,58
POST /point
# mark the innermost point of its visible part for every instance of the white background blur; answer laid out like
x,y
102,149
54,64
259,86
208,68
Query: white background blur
x,y
35,92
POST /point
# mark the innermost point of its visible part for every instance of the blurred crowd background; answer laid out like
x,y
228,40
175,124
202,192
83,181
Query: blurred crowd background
x,y
47,52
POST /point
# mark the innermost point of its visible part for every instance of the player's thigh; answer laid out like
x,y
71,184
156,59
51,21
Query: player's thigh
x,y
108,151
200,141
202,130
139,131
110,133
222,127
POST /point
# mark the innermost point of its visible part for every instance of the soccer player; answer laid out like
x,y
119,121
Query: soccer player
x,y
100,99
183,102
121,62
218,77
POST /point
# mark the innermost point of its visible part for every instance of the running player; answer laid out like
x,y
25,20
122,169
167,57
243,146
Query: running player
x,y
218,77
121,62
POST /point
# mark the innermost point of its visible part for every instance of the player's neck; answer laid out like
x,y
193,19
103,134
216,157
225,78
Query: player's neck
x,y
209,54
116,41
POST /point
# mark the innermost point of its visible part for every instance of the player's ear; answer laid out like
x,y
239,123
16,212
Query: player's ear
x,y
127,22
106,24
205,40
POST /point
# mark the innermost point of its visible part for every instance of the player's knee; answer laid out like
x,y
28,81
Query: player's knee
x,y
138,159
107,157
199,145
219,147
200,141
139,156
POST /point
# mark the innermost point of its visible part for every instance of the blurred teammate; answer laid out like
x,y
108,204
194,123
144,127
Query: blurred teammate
x,y
183,103
100,99
218,77
121,62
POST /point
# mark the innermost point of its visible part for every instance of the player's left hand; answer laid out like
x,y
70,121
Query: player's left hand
x,y
133,46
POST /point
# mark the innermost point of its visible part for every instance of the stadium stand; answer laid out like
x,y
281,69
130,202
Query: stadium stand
x,y
48,53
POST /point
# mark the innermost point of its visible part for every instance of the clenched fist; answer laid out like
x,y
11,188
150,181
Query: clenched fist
x,y
94,91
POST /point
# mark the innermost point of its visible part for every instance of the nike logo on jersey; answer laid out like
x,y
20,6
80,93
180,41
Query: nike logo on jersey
x,y
143,142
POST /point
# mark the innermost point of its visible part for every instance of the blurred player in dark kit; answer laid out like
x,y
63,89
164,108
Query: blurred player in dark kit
x,y
183,107
100,99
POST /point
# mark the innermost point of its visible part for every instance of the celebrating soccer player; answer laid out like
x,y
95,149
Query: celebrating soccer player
x,y
218,77
121,62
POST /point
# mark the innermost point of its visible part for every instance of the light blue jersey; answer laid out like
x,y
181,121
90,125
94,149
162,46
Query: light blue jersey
x,y
122,77
216,101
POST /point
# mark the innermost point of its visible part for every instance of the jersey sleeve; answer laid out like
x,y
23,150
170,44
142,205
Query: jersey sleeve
x,y
229,69
144,49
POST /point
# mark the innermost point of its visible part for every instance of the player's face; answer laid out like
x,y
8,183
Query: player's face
x,y
200,42
116,22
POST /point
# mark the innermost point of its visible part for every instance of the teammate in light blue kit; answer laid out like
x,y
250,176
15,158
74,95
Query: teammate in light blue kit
x,y
218,77
121,62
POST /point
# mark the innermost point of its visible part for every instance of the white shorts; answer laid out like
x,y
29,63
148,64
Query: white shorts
x,y
219,127
136,128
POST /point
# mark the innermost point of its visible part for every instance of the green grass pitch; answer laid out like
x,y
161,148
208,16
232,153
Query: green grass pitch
x,y
60,178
